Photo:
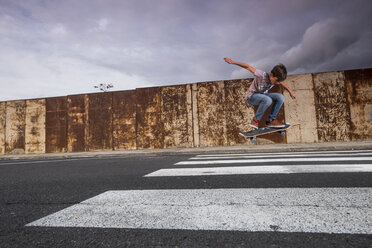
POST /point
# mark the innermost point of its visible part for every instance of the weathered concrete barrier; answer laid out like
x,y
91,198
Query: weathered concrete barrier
x,y
330,106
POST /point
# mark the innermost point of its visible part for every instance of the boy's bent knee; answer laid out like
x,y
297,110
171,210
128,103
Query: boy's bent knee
x,y
267,101
277,97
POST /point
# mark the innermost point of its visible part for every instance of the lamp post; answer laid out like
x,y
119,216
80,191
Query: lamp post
x,y
104,87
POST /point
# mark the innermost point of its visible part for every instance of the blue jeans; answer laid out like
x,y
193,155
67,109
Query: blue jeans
x,y
263,101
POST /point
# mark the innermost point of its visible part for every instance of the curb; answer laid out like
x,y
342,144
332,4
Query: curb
x,y
336,146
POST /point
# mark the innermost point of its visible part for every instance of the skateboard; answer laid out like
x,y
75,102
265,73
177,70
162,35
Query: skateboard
x,y
265,130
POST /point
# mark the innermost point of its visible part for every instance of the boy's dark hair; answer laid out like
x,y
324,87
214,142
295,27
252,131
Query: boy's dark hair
x,y
279,71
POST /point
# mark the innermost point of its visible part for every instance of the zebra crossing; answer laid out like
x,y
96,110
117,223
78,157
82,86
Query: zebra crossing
x,y
341,210
274,163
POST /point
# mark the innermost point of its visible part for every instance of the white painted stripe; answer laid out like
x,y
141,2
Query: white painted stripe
x,y
247,161
280,156
272,169
315,210
277,153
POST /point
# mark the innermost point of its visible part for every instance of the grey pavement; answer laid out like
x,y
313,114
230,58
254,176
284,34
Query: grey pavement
x,y
33,190
351,145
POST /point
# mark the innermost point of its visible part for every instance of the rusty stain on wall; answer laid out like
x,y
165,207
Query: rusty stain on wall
x,y
189,110
124,120
359,92
99,125
175,116
15,126
35,126
150,130
195,115
56,124
2,127
332,109
212,116
77,106
238,112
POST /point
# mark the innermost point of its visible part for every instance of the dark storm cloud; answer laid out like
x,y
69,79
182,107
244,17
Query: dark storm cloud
x,y
321,43
345,33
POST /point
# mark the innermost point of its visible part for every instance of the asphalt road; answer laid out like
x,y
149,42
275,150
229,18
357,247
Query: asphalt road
x,y
34,189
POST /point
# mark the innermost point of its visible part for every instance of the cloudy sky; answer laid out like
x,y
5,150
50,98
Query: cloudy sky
x,y
54,47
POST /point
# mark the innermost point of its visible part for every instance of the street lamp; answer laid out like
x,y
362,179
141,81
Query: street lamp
x,y
104,87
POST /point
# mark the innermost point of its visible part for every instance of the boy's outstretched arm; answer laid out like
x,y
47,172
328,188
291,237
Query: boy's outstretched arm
x,y
244,65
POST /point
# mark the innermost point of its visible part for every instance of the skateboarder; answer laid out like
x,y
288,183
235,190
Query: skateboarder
x,y
258,93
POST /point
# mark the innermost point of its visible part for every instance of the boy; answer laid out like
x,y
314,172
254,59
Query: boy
x,y
258,93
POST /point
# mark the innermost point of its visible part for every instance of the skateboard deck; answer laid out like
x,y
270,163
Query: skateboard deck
x,y
265,130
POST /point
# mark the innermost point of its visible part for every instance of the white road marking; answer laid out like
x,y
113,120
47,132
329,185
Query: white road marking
x,y
315,210
287,153
234,156
246,161
271,169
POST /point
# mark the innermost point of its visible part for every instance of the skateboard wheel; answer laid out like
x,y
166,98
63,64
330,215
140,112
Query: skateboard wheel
x,y
282,133
253,139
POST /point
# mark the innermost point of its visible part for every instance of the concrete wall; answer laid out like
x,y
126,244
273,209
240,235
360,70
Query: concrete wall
x,y
15,127
124,112
301,111
56,124
2,127
330,106
359,98
35,126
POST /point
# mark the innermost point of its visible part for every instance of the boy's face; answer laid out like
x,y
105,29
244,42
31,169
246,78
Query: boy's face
x,y
274,80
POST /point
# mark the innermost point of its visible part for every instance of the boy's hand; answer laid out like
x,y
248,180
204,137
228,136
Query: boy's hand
x,y
228,60
244,65
292,94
